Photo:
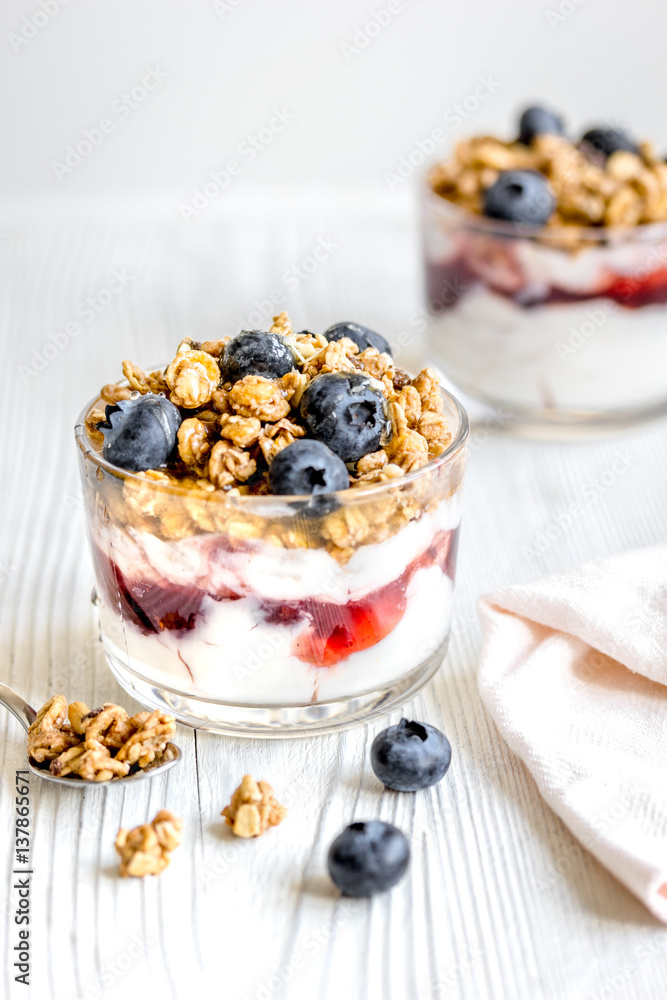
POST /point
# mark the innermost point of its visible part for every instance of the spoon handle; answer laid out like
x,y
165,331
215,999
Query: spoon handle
x,y
17,706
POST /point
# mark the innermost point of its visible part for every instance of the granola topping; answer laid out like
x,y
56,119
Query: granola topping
x,y
231,433
623,188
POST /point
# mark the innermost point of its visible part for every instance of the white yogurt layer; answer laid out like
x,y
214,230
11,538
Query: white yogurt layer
x,y
234,656
270,572
590,356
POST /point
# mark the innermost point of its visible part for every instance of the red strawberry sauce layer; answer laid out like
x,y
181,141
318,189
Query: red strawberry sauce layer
x,y
333,633
447,282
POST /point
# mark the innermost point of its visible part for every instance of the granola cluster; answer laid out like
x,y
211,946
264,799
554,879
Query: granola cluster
x,y
97,745
145,850
253,808
231,433
623,189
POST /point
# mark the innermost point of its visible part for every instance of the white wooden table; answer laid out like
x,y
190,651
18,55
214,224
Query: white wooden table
x,y
500,900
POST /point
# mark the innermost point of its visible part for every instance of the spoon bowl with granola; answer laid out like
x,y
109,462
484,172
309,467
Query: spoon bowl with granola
x,y
70,744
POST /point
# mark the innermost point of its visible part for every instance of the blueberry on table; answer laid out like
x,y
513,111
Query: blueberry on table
x,y
367,858
361,335
346,412
140,433
521,196
608,140
253,352
410,756
307,466
538,121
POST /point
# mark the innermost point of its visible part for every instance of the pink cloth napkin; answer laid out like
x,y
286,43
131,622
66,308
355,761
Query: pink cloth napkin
x,y
574,673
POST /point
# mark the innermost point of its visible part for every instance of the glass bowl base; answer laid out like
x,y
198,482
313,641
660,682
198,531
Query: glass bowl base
x,y
276,721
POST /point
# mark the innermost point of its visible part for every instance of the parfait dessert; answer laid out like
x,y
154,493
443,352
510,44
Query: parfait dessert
x,y
273,520
546,272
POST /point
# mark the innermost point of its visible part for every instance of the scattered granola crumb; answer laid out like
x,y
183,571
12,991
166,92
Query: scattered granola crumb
x,y
145,849
253,808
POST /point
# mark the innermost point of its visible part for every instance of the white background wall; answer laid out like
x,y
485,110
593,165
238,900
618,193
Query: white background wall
x,y
229,63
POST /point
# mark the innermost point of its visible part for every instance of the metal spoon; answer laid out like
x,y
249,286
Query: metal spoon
x,y
25,714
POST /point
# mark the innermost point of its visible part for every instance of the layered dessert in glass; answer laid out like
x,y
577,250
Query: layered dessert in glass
x,y
273,521
546,273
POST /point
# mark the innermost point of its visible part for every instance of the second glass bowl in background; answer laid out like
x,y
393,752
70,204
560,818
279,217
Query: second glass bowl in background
x,y
560,328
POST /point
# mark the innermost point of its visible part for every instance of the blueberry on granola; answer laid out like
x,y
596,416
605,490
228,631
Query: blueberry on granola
x,y
367,858
520,196
140,434
253,352
410,756
361,335
538,121
346,412
307,466
607,140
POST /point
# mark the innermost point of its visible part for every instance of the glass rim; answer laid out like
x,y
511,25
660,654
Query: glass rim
x,y
497,227
455,447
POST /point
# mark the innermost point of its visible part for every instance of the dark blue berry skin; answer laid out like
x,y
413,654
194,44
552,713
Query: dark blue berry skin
x,y
410,756
307,467
253,352
140,433
367,858
361,335
607,140
520,196
538,121
343,410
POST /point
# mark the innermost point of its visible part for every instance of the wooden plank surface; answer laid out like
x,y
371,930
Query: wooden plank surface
x,y
500,900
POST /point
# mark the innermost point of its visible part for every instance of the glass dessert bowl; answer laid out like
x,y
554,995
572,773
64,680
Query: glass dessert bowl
x,y
552,314
266,614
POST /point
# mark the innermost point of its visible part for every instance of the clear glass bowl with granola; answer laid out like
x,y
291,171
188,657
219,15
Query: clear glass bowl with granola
x,y
273,521
546,274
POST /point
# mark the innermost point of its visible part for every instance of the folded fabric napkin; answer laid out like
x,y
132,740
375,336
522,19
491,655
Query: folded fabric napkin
x,y
574,673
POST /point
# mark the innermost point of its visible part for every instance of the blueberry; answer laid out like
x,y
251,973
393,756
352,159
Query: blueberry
x,y
253,352
346,412
361,335
367,858
140,433
608,140
538,121
410,756
307,466
521,196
